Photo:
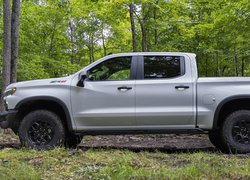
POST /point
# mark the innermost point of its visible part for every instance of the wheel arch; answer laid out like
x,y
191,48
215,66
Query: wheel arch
x,y
229,105
51,103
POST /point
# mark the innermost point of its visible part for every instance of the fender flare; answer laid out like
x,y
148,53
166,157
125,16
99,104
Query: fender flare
x,y
222,103
49,98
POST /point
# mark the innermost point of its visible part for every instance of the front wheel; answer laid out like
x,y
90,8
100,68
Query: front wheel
x,y
42,130
72,140
236,132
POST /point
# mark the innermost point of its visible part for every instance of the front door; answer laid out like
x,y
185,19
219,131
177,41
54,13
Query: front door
x,y
107,99
164,93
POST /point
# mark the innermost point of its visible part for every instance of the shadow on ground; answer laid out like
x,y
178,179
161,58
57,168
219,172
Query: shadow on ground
x,y
153,149
169,143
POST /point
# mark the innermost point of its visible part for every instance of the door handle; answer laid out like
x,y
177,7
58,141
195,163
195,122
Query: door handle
x,y
124,88
181,88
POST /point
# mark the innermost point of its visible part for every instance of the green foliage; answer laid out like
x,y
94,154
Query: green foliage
x,y
120,75
60,37
18,170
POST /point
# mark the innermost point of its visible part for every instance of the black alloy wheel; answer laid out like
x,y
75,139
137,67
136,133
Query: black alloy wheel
x,y
241,132
42,130
235,132
41,133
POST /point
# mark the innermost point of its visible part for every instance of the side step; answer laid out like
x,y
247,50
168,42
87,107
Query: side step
x,y
149,131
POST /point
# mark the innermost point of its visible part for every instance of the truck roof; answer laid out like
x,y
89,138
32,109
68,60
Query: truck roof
x,y
152,53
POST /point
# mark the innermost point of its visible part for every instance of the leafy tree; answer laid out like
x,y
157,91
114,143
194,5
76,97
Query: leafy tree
x,y
59,37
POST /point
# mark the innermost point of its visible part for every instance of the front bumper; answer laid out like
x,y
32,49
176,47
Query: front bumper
x,y
7,118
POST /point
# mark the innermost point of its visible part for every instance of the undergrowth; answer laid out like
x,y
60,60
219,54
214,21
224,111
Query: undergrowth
x,y
120,164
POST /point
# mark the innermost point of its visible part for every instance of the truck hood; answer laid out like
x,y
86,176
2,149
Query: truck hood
x,y
41,82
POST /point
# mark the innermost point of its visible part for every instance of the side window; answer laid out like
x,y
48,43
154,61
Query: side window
x,y
115,69
158,67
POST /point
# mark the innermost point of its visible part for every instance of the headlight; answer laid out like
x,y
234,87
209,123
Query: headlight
x,y
10,91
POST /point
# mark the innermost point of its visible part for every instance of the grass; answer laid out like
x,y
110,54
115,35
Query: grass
x,y
120,164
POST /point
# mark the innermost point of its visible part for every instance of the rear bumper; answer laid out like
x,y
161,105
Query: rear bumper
x,y
7,118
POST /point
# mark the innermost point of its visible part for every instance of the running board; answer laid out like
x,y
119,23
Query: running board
x,y
149,131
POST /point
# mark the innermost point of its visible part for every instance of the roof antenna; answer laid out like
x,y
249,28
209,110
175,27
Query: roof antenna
x,y
110,53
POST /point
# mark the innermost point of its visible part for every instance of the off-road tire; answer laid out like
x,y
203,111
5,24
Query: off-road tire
x,y
236,132
72,140
216,140
42,130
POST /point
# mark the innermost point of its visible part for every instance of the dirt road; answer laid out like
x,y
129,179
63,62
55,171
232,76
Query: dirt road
x,y
169,142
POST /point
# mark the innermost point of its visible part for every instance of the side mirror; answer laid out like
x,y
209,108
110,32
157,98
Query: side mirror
x,y
82,77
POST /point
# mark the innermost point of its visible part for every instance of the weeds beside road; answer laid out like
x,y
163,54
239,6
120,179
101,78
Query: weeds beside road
x,y
87,163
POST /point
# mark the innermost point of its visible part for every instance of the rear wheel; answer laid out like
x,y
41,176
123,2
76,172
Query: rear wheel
x,y
236,132
42,130
216,140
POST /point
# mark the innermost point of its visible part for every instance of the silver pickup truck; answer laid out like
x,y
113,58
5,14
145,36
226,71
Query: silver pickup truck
x,y
131,93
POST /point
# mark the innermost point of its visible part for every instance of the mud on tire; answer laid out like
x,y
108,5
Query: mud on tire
x,y
73,140
236,132
42,130
216,140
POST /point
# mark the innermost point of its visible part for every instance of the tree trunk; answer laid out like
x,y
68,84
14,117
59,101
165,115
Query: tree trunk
x,y
236,64
142,21
92,47
14,39
155,28
6,49
132,22
52,38
90,57
217,64
144,37
206,70
242,63
143,28
103,43
71,34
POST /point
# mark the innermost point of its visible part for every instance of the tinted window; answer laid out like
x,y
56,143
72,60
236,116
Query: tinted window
x,y
156,67
112,69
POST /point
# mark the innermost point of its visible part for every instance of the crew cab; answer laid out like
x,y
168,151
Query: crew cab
x,y
149,92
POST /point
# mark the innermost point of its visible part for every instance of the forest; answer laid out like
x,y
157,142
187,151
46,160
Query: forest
x,y
54,38
57,38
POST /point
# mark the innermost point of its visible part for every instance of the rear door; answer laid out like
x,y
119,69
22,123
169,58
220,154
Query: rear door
x,y
165,92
